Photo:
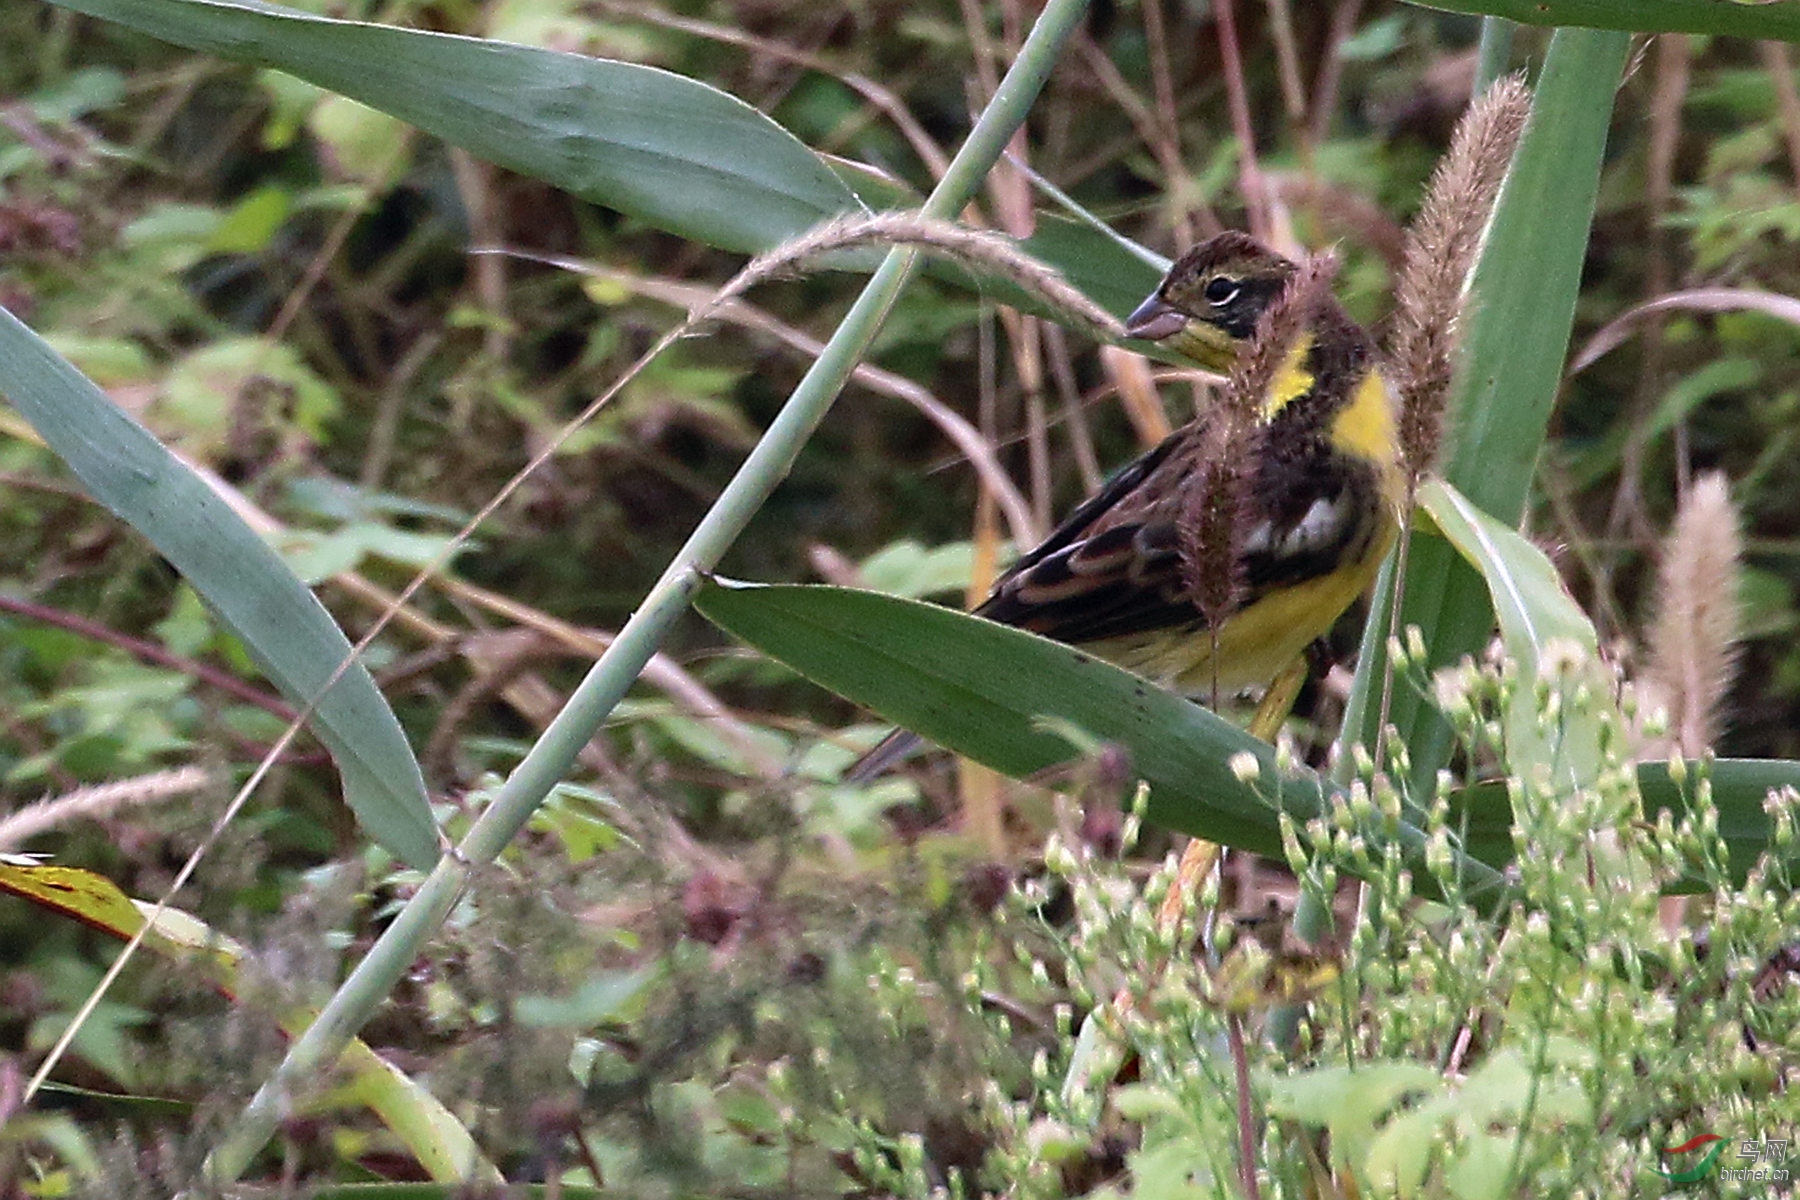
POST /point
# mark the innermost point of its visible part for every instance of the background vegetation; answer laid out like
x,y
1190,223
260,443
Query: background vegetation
x,y
707,968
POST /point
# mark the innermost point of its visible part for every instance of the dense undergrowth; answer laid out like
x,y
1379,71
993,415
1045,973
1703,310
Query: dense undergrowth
x,y
708,967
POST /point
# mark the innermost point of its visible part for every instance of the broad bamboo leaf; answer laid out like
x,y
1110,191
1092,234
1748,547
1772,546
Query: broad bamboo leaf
x,y
675,153
279,621
1106,271
669,150
1737,18
998,694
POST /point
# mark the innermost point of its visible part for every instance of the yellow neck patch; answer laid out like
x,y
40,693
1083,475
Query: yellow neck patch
x,y
1365,426
1292,381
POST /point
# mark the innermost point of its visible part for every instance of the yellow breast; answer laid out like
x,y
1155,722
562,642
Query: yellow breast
x,y
1258,641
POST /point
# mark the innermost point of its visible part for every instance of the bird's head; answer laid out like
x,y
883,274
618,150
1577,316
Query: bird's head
x,y
1207,306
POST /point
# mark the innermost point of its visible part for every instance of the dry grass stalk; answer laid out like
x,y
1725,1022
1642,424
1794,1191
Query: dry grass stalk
x,y
973,248
1441,248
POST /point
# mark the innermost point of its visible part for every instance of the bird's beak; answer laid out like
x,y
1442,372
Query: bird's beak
x,y
1155,320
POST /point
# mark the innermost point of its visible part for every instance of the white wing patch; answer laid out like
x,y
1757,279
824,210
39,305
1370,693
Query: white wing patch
x,y
1320,528
1322,525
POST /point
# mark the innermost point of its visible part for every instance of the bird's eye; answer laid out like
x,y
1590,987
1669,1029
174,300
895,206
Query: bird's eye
x,y
1221,291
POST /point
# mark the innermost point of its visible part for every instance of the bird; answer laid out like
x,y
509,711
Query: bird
x,y
1321,501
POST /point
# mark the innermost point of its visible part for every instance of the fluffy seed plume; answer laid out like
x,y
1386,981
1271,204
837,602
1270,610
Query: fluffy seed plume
x,y
1441,247
974,248
100,801
1212,521
1693,641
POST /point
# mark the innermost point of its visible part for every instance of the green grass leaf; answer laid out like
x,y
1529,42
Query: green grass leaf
x,y
1546,635
282,624
666,149
673,152
1103,267
1738,18
1739,788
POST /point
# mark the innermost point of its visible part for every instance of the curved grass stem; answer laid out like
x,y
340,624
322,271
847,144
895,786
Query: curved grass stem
x,y
606,683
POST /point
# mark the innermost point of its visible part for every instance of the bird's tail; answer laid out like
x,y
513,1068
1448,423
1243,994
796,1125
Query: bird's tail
x,y
884,757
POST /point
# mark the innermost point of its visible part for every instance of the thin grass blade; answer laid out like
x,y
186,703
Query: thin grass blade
x,y
1736,18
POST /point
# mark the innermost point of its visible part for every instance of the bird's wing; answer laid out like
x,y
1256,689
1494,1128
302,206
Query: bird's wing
x,y
1328,510
1114,567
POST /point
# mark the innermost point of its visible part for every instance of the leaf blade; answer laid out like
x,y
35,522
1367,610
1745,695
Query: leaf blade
x,y
280,622
993,693
1546,635
1735,17
1739,786
669,150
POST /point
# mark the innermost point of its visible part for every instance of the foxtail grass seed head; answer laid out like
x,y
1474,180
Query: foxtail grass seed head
x,y
1693,642
1212,523
1441,248
99,801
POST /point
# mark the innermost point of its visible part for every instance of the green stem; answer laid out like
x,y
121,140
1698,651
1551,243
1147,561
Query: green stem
x,y
550,758
1513,349
1493,51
